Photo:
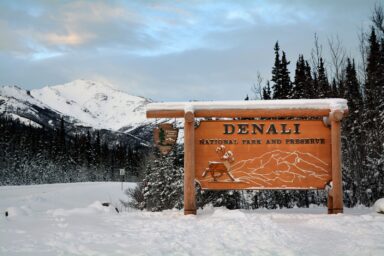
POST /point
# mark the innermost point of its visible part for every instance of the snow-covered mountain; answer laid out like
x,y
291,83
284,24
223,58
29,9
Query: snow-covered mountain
x,y
95,104
83,103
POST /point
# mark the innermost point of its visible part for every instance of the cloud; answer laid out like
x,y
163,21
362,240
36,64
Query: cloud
x,y
68,39
74,24
166,50
142,28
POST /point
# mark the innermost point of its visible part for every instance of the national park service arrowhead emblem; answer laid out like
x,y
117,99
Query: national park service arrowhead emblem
x,y
165,137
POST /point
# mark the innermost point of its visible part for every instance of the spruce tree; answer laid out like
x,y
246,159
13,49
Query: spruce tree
x,y
310,91
353,93
341,90
286,84
282,86
276,73
267,94
381,89
371,87
299,89
62,136
334,89
353,139
322,81
372,93
163,183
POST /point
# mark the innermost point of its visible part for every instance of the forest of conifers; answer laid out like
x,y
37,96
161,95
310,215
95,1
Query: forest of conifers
x,y
31,155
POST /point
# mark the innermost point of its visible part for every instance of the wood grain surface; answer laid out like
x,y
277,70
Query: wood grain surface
x,y
263,154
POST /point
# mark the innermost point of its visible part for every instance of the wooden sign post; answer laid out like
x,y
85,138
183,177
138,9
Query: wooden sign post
x,y
260,145
335,197
189,163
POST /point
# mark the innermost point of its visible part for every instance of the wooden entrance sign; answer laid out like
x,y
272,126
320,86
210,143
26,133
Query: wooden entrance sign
x,y
260,145
255,154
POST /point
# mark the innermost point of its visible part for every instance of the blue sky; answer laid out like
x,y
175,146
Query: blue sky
x,y
168,50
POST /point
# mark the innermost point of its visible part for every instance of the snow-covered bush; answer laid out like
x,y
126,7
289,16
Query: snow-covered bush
x,y
162,187
136,197
379,205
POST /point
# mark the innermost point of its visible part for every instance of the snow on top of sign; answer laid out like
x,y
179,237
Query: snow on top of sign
x,y
331,104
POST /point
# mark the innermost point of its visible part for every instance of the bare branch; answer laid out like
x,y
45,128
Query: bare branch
x,y
316,53
257,87
377,18
363,49
338,57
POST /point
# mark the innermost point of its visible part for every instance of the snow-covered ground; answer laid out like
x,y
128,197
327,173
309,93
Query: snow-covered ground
x,y
68,219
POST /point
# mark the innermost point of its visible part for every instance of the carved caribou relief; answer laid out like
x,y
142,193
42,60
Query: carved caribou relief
x,y
218,169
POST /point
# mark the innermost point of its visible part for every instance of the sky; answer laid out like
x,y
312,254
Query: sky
x,y
169,50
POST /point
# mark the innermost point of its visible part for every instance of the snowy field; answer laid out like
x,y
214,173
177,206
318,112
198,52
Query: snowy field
x,y
68,219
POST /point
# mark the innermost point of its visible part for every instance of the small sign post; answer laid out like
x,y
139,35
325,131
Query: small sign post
x,y
269,144
122,173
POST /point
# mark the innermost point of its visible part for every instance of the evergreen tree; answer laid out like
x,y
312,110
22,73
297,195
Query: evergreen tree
x,y
303,85
163,183
97,147
322,81
62,135
341,89
311,92
276,73
371,88
372,119
353,93
286,84
353,140
381,90
231,199
334,89
267,92
299,89
282,86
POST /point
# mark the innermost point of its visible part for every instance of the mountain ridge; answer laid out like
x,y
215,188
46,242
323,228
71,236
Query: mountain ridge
x,y
95,104
83,103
